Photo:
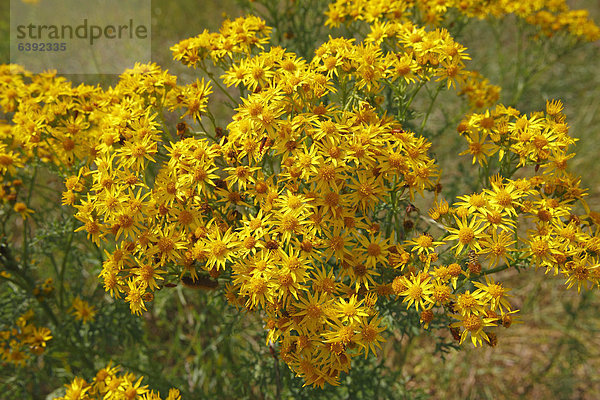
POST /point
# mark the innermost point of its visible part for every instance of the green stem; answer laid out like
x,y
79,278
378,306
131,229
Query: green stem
x,y
343,92
24,250
212,118
430,108
494,270
9,263
518,85
499,54
218,84
405,107
277,380
405,350
206,134
392,211
63,268
166,129
542,66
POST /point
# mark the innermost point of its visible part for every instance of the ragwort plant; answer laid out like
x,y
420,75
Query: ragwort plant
x,y
302,207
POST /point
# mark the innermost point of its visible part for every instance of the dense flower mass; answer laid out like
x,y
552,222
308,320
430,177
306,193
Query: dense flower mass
x,y
23,340
550,16
301,208
111,383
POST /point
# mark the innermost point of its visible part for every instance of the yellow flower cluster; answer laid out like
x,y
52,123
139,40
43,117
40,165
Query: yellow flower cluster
x,y
487,223
235,39
479,91
82,310
119,200
550,16
111,383
305,179
313,254
44,290
50,123
302,206
50,120
540,139
105,139
392,53
22,340
415,55
561,240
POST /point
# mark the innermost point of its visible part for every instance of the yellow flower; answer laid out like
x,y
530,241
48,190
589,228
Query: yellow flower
x,y
94,228
496,218
375,249
135,296
194,98
473,202
470,303
473,325
498,247
369,335
9,161
314,309
174,394
336,243
170,242
493,293
540,250
323,281
77,390
148,273
22,209
291,223
439,209
441,293
134,153
468,234
37,338
326,175
340,333
83,311
351,311
132,390
479,148
109,383
240,176
361,274
257,291
235,75
219,248
366,190
405,67
581,271
418,290
423,243
286,283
